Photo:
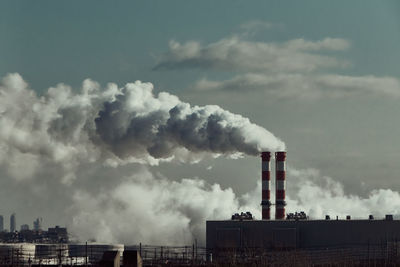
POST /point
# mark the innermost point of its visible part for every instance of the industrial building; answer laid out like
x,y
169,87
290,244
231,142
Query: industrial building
x,y
301,234
369,238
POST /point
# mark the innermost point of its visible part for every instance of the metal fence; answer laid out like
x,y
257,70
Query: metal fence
x,y
24,254
387,254
172,255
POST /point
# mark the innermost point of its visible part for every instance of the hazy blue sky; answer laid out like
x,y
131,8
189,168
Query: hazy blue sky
x,y
321,75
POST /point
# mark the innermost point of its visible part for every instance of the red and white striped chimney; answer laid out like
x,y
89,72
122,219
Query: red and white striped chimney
x,y
266,185
280,176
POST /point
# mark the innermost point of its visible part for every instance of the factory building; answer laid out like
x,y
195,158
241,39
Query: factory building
x,y
295,231
301,234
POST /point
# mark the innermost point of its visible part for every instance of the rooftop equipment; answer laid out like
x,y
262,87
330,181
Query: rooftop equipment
x,y
297,216
389,217
242,216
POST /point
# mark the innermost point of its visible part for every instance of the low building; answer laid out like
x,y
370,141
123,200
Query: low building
x,y
238,236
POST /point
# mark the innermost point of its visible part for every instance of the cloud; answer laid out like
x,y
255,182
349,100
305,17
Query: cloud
x,y
236,54
53,150
149,204
76,151
157,203
139,124
306,86
40,132
144,205
297,68
320,195
63,129
146,208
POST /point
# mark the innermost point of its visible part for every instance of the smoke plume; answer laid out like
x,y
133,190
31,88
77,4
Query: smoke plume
x,y
85,156
153,209
118,125
61,150
321,195
140,125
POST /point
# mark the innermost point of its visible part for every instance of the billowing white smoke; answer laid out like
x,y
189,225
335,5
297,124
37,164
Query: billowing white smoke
x,y
146,201
154,210
320,195
118,125
51,131
56,149
139,125
53,149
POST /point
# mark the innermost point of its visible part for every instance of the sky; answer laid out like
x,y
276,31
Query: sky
x,y
322,77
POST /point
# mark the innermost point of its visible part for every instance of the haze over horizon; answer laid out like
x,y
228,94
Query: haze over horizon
x,y
109,111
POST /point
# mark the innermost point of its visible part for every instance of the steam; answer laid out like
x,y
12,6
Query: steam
x,y
140,125
153,209
146,201
57,150
321,195
117,126
83,155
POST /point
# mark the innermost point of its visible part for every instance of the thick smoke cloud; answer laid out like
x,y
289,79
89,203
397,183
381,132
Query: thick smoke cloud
x,y
152,209
147,201
115,125
137,123
53,151
57,150
49,131
321,195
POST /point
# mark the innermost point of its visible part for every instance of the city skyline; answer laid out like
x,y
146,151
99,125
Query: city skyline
x,y
37,223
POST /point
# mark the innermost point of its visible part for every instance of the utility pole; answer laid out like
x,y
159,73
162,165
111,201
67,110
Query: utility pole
x,y
86,255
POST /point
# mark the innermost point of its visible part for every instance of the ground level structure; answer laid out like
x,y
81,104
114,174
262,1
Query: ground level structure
x,y
366,239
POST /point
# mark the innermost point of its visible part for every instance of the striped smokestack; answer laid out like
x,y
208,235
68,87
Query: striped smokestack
x,y
280,175
266,185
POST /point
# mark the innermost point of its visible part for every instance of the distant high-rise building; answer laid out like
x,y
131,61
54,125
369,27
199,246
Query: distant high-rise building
x,y
37,224
1,223
24,227
13,223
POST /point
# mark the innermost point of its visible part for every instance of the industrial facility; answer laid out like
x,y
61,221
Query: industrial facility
x,y
243,237
288,239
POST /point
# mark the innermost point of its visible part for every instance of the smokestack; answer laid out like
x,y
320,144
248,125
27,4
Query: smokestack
x,y
266,185
280,176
